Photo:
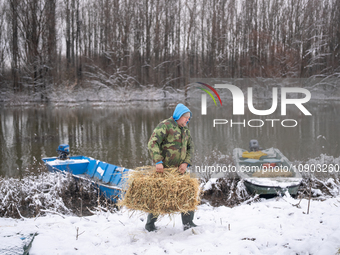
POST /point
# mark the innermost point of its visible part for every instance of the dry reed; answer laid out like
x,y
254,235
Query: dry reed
x,y
161,193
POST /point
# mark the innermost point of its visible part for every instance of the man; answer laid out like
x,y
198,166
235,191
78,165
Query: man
x,y
170,145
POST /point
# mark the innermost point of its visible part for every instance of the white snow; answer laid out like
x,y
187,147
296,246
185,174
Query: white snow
x,y
275,182
100,170
209,184
273,226
66,162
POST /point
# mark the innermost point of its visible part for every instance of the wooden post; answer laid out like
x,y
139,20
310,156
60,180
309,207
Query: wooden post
x,y
310,194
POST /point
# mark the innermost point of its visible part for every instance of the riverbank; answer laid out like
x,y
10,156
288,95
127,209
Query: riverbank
x,y
273,226
38,195
261,92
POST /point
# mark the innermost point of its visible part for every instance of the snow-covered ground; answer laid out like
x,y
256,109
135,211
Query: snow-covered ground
x,y
272,226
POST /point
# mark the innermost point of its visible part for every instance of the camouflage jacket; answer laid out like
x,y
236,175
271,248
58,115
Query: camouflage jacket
x,y
171,144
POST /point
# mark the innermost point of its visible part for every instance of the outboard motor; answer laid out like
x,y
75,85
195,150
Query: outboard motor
x,y
63,150
254,145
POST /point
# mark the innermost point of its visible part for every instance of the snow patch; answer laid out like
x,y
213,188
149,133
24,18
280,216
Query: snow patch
x,y
66,162
274,226
100,171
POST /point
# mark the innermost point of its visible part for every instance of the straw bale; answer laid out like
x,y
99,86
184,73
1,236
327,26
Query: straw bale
x,y
161,193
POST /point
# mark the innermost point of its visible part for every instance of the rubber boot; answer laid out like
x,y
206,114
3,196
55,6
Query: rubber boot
x,y
187,220
150,223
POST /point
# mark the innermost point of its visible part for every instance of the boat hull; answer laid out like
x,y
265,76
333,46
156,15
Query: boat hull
x,y
258,179
270,190
109,179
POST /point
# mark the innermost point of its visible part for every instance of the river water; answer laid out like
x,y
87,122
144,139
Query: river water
x,y
118,133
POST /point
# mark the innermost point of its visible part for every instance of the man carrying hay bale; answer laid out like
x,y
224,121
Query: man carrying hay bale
x,y
170,145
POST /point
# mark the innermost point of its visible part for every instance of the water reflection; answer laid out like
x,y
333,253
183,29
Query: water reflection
x,y
118,134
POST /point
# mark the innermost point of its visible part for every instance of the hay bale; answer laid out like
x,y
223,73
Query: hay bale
x,y
161,193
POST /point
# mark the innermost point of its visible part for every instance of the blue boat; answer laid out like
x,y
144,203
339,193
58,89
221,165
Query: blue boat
x,y
109,179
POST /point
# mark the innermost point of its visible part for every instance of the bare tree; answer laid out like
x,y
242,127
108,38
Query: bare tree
x,y
119,43
14,21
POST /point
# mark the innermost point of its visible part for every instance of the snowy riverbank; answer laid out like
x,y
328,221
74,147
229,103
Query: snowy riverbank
x,y
262,92
273,226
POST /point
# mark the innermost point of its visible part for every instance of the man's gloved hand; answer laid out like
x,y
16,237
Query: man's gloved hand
x,y
182,168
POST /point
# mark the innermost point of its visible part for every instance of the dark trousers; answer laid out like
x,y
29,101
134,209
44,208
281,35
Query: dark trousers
x,y
187,219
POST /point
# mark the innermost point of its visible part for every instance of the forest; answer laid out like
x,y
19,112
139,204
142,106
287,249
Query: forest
x,y
51,44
